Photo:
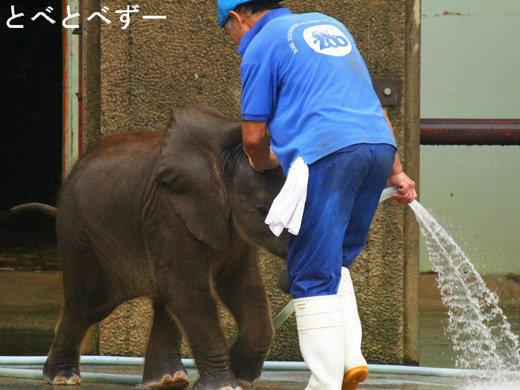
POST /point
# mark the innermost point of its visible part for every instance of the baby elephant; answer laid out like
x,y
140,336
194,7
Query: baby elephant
x,y
176,217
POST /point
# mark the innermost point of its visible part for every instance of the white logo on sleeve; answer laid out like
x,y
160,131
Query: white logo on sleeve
x,y
327,39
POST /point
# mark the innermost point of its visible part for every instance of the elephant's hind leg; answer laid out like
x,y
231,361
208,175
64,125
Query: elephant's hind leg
x,y
86,303
163,367
62,365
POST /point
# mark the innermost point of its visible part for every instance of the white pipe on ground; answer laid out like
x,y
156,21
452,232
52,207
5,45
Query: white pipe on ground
x,y
189,363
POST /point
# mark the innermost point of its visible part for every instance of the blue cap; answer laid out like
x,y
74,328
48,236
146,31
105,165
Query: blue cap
x,y
223,8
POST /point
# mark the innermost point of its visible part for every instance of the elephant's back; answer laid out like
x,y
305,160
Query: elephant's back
x,y
99,211
121,150
115,160
107,185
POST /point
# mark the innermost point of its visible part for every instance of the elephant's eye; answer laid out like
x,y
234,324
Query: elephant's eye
x,y
262,211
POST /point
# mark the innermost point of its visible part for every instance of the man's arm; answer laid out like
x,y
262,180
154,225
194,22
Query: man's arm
x,y
257,145
405,185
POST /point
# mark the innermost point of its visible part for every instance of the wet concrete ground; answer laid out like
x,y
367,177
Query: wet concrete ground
x,y
30,304
274,380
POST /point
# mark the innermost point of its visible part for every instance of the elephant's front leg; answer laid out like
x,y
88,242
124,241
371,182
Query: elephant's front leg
x,y
194,307
243,292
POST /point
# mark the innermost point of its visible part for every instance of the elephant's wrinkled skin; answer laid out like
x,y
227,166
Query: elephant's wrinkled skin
x,y
174,216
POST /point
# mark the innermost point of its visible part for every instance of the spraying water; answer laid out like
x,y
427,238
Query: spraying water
x,y
478,328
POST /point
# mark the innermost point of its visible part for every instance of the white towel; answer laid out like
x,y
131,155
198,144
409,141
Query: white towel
x,y
287,208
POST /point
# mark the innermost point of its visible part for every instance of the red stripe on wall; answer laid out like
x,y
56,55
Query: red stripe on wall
x,y
470,131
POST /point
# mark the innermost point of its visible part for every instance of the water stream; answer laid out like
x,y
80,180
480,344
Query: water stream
x,y
479,330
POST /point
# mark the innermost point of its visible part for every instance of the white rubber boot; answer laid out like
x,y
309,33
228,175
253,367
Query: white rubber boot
x,y
355,364
322,339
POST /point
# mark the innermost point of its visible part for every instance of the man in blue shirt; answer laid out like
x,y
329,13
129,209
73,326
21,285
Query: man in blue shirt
x,y
307,93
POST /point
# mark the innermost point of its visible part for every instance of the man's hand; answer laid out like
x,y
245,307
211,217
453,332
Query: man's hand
x,y
405,187
273,162
257,146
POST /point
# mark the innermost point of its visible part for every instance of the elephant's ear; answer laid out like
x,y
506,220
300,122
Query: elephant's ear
x,y
188,168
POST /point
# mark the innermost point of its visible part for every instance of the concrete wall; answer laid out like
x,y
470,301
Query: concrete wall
x,y
470,68
186,59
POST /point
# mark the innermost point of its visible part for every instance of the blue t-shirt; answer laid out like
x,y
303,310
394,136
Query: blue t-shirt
x,y
303,74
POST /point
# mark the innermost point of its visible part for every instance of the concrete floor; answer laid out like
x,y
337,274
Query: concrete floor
x,y
271,380
28,316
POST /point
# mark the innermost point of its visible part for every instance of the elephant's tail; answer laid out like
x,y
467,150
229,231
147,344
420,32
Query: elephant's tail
x,y
44,208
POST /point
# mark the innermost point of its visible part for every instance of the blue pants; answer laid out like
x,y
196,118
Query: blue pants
x,y
342,197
